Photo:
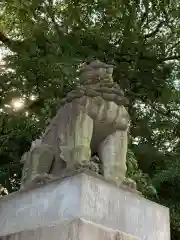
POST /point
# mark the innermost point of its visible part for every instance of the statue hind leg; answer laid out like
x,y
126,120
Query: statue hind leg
x,y
112,153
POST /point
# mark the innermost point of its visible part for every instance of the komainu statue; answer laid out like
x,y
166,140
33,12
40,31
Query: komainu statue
x,y
91,119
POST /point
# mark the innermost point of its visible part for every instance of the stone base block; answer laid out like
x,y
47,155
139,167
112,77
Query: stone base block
x,y
78,229
88,197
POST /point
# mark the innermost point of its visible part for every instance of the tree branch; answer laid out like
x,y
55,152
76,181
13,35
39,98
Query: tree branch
x,y
3,123
4,39
129,58
52,17
153,33
11,44
174,57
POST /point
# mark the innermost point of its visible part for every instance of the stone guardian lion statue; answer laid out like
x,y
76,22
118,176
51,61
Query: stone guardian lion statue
x,y
91,119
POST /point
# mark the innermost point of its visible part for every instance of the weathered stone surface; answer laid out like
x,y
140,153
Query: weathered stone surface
x,y
92,119
78,229
97,71
37,163
88,197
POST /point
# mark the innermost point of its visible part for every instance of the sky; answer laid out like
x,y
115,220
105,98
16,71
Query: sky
x,y
16,103
3,52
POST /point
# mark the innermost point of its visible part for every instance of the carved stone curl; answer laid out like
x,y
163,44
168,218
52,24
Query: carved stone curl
x,y
91,119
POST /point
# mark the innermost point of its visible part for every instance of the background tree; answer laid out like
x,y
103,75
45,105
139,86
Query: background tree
x,y
48,40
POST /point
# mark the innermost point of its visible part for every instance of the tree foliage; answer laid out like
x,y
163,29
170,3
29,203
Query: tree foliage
x,y
48,40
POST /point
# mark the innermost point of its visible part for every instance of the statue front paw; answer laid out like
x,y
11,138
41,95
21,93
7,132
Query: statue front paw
x,y
41,178
93,166
129,183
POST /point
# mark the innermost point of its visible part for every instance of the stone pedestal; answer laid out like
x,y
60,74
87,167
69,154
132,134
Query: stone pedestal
x,y
78,229
81,207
